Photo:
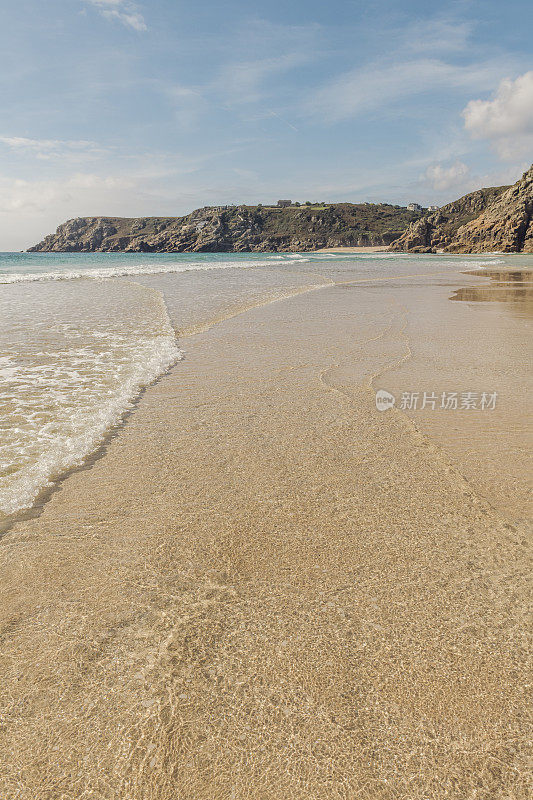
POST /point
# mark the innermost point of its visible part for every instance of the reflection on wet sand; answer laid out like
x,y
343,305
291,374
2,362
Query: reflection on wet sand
x,y
514,287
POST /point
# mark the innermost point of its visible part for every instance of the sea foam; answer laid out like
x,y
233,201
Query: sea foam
x,y
125,270
61,394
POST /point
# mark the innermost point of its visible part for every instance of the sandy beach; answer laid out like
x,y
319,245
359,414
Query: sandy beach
x,y
262,587
352,250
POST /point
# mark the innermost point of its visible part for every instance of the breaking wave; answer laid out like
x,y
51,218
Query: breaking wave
x,y
61,393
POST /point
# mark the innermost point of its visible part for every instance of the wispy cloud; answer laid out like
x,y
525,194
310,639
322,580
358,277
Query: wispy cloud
x,y
370,88
40,195
236,85
53,148
243,82
443,34
507,119
188,102
123,11
436,55
257,55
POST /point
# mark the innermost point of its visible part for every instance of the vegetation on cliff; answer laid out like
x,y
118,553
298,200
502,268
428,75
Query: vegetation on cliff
x,y
241,228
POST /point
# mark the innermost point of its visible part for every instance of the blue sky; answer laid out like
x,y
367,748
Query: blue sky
x,y
133,108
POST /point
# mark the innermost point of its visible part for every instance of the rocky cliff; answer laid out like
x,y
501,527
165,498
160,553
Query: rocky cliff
x,y
505,225
497,219
242,228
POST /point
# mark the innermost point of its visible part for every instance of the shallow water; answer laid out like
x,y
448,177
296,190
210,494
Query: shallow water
x,y
82,334
512,287
73,357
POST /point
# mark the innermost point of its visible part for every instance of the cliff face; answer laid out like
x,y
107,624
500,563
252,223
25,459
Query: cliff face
x,y
238,229
437,231
498,219
505,225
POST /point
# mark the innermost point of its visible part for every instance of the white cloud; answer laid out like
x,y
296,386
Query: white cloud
x,y
506,120
441,178
38,196
123,11
367,89
128,184
52,148
29,209
441,183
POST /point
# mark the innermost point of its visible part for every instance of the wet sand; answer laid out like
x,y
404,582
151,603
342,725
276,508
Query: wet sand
x,y
265,588
362,249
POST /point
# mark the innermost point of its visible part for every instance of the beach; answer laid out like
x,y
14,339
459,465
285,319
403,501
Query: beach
x,y
361,249
258,585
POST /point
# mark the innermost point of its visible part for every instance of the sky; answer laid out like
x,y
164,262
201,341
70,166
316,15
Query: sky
x,y
157,107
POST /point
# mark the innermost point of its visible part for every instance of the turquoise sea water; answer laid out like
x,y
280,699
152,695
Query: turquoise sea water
x,y
27,267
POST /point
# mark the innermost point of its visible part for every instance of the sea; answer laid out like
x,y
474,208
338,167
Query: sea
x,y
81,335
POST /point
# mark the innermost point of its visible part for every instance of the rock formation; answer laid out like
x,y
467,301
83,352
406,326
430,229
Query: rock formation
x,y
237,229
505,225
497,219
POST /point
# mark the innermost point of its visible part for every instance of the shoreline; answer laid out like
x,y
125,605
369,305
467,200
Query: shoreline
x,y
261,570
364,249
340,250
266,502
356,250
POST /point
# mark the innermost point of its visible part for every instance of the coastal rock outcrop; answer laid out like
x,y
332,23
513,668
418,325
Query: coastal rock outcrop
x,y
236,229
495,219
506,225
